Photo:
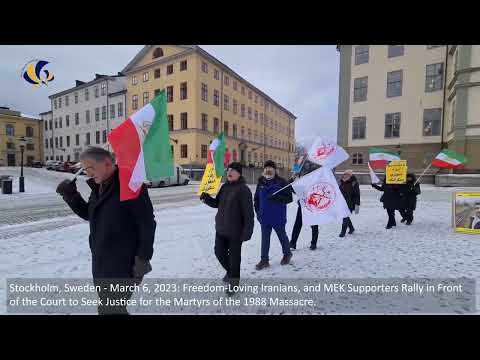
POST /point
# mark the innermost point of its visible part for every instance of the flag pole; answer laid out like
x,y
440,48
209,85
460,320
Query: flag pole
x,y
286,186
424,171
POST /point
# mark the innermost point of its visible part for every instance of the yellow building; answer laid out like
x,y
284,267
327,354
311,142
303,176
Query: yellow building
x,y
205,97
13,127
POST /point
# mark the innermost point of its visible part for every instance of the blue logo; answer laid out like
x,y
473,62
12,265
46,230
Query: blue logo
x,y
34,73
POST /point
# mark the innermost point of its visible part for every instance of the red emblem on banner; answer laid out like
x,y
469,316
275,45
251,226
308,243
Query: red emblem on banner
x,y
320,197
323,150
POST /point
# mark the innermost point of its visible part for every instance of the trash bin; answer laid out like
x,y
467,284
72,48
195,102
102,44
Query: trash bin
x,y
7,186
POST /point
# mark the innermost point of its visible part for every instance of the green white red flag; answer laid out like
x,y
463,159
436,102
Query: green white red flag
x,y
379,157
141,145
449,159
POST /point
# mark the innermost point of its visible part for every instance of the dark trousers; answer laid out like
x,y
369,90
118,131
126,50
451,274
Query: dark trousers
x,y
297,227
347,224
391,217
407,214
229,254
112,296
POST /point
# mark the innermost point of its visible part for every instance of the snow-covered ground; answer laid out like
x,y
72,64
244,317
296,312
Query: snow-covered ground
x,y
185,239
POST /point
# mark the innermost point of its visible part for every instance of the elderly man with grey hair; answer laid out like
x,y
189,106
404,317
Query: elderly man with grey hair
x,y
121,233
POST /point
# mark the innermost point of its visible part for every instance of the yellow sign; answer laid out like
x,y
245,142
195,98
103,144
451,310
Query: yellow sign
x,y
466,212
210,181
396,172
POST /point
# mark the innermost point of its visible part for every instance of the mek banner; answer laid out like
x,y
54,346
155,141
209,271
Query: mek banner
x,y
210,181
396,172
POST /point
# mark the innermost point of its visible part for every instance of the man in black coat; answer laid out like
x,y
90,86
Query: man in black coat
x,y
233,223
121,233
409,193
391,200
351,192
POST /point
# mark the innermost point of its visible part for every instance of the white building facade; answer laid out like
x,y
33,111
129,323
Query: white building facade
x,y
83,116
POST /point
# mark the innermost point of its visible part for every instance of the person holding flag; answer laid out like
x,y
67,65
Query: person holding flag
x,y
121,233
234,222
391,200
271,198
120,212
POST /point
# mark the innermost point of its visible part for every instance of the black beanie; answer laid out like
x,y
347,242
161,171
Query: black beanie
x,y
269,163
236,166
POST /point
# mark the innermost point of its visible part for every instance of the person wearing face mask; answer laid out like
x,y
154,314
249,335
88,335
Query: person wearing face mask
x,y
271,212
351,192
233,223
409,195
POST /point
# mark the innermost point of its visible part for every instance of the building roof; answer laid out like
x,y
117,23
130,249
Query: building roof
x,y
198,49
117,93
82,84
46,112
8,112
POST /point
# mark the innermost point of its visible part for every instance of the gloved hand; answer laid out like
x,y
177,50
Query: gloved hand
x,y
67,188
141,268
203,196
357,209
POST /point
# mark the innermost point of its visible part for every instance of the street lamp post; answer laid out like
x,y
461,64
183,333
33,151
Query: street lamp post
x,y
22,180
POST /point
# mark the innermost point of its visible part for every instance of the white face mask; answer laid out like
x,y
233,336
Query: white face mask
x,y
269,174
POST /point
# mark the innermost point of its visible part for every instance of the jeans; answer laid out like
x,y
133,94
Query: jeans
x,y
229,254
282,236
297,227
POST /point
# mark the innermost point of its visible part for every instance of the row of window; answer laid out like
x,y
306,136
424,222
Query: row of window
x,y
157,72
362,52
433,82
251,157
216,101
432,123
254,97
252,115
10,130
114,112
59,140
11,146
57,103
253,136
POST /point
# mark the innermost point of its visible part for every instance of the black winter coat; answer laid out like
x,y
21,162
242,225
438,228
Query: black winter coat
x,y
409,195
235,217
391,197
351,192
119,230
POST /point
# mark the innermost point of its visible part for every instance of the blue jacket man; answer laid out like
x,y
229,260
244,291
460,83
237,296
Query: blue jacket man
x,y
271,212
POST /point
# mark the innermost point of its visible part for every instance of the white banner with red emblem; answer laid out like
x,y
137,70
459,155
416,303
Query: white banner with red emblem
x,y
320,197
327,153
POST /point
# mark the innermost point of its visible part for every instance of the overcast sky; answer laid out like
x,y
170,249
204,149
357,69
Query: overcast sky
x,y
304,79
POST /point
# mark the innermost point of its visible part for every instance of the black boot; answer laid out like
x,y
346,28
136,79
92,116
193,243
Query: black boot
x,y
225,278
293,245
344,228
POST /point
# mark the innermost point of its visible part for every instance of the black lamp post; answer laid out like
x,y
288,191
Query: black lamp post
x,y
22,180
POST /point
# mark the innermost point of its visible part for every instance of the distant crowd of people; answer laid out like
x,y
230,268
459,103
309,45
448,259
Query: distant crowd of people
x,y
236,212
